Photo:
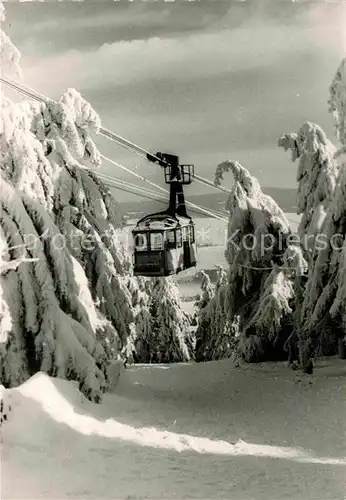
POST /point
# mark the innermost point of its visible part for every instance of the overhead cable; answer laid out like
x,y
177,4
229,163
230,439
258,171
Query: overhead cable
x,y
109,134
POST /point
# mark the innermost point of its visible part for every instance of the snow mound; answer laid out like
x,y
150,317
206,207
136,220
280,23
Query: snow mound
x,y
62,402
201,430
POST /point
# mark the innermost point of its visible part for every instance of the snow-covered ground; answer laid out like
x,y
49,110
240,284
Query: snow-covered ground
x,y
260,432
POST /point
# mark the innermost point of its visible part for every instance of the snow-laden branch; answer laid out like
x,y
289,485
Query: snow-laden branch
x,y
320,303
317,174
253,216
256,293
12,265
9,54
70,312
337,100
215,333
170,339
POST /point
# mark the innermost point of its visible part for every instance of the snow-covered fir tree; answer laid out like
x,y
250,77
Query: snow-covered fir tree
x,y
321,313
270,331
215,334
69,310
203,298
171,337
142,339
202,319
258,236
207,290
316,176
337,99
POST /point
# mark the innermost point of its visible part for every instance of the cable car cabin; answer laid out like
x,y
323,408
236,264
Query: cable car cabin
x,y
164,245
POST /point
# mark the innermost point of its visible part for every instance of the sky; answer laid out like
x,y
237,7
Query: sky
x,y
208,80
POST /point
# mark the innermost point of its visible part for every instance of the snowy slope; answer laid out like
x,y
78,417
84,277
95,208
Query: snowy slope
x,y
181,431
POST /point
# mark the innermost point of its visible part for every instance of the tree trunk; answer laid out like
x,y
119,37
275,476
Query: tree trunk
x,y
342,348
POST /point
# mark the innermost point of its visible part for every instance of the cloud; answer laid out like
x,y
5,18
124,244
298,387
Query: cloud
x,y
87,26
230,87
327,25
81,17
255,44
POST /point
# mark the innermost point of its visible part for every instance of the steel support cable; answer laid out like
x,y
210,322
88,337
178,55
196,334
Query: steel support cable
x,y
111,135
151,195
148,191
115,185
188,203
110,178
130,185
220,213
106,158
135,189
41,98
22,90
118,185
122,141
108,133
118,165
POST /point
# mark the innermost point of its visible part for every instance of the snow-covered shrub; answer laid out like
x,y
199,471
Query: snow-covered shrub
x,y
65,304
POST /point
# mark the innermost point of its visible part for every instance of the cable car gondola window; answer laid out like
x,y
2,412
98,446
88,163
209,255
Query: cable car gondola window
x,y
179,238
141,243
192,234
185,234
156,241
170,238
